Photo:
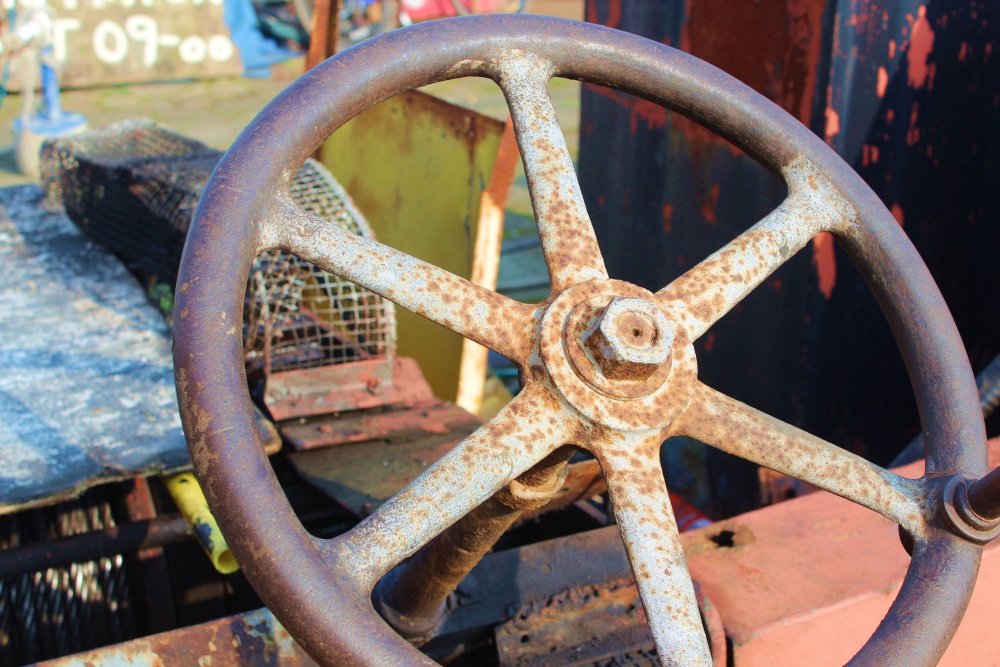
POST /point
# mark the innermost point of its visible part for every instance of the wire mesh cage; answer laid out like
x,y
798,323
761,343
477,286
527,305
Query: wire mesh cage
x,y
133,186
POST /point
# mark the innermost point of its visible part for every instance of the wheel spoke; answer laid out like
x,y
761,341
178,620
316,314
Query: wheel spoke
x,y
736,428
479,314
564,227
631,465
524,432
711,289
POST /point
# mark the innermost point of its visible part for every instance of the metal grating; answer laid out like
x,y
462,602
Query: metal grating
x,y
133,187
59,611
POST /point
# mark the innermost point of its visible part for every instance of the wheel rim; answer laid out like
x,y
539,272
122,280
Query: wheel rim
x,y
319,600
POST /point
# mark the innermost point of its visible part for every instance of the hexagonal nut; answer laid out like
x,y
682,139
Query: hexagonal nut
x,y
630,340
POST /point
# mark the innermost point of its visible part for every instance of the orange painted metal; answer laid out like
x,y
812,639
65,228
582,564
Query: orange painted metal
x,y
805,581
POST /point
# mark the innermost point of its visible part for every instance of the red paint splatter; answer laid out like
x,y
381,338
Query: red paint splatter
x,y
776,284
600,200
892,49
825,262
913,134
655,117
921,45
614,13
963,51
890,115
897,212
668,214
882,83
708,206
709,341
832,128
874,152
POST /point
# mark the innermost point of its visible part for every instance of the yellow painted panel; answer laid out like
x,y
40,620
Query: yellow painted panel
x,y
415,166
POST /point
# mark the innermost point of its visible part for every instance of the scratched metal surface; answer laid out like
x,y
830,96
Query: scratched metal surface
x,y
86,380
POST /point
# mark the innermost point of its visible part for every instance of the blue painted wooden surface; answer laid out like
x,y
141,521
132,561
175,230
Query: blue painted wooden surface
x,y
86,375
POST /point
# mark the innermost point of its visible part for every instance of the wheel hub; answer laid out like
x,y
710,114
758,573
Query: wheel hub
x,y
615,356
621,349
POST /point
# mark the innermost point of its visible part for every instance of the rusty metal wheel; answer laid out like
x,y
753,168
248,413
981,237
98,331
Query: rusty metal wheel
x,y
609,367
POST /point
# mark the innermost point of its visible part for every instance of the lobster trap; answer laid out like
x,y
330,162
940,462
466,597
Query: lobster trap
x,y
297,317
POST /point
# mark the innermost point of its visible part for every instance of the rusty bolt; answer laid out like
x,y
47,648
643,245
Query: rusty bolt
x,y
630,340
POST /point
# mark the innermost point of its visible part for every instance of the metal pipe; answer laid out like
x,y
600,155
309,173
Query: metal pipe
x,y
984,496
413,603
93,545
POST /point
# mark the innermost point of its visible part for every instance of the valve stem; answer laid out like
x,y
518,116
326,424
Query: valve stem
x,y
984,496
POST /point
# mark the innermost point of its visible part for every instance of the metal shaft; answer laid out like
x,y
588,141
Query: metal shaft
x,y
93,545
984,496
414,605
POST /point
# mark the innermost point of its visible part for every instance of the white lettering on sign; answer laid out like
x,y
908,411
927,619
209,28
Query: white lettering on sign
x,y
128,41
110,42
59,29
142,29
73,5
220,48
192,49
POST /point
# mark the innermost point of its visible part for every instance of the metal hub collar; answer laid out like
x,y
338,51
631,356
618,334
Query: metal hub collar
x,y
625,403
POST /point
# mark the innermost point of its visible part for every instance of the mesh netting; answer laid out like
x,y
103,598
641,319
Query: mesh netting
x,y
133,187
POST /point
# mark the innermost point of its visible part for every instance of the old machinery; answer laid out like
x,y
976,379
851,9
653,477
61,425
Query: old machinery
x,y
608,367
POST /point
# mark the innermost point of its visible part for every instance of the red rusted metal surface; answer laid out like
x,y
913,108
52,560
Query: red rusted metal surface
x,y
391,425
345,387
324,31
320,588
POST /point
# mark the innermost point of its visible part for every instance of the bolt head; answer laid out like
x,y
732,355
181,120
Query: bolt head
x,y
630,340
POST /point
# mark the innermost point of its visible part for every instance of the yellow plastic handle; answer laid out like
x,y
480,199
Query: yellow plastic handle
x,y
190,500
